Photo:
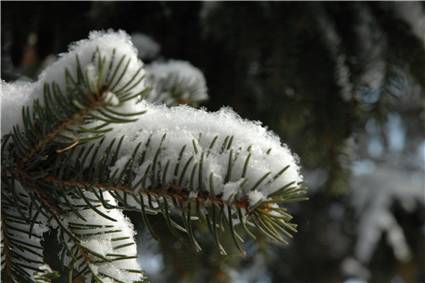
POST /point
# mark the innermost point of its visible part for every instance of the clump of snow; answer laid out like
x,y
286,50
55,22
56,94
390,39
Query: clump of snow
x,y
110,239
111,45
147,47
193,195
255,196
227,154
111,98
176,82
106,42
13,97
231,189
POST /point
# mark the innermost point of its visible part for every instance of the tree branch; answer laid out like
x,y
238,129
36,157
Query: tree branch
x,y
73,120
173,190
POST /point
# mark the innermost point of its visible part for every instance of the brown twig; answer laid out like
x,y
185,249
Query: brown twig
x,y
74,119
172,190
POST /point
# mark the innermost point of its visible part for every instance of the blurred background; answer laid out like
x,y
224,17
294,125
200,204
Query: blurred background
x,y
343,84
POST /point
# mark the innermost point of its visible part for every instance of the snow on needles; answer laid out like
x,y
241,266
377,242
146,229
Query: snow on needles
x,y
228,155
13,97
106,43
198,151
109,237
176,82
111,45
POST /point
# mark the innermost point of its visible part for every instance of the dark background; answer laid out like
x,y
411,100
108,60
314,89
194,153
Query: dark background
x,y
341,83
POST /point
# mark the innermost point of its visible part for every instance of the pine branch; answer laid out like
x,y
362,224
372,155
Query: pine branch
x,y
186,164
93,96
171,191
176,82
83,113
78,232
155,190
99,248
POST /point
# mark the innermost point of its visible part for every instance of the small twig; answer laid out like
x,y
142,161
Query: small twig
x,y
172,190
74,119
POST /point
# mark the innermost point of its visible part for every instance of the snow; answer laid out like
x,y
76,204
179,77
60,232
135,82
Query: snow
x,y
333,42
255,196
92,77
18,94
396,133
231,189
39,275
176,82
13,97
421,154
152,260
147,47
414,15
343,77
103,243
111,98
84,49
193,195
215,151
374,191
206,136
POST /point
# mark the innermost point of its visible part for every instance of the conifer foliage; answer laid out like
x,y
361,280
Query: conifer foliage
x,y
81,146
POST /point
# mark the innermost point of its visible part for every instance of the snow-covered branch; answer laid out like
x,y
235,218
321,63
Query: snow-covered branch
x,y
78,144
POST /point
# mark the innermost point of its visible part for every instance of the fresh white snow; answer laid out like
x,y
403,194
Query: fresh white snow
x,y
16,95
214,151
176,82
146,46
210,138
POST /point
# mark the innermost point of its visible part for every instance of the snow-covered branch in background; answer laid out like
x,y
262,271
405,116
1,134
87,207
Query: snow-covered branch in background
x,y
413,13
333,42
147,47
176,82
374,194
